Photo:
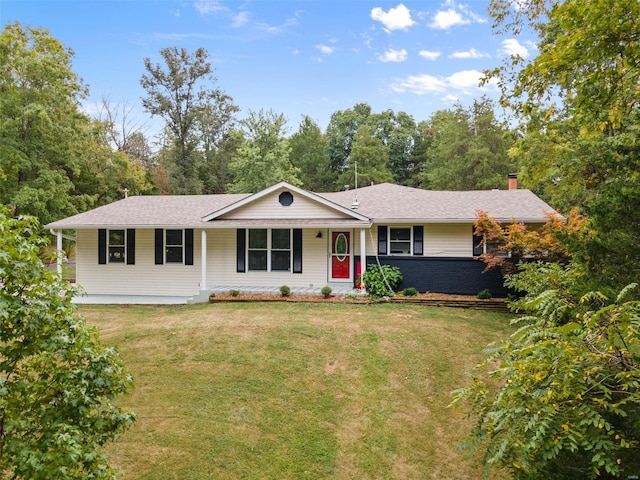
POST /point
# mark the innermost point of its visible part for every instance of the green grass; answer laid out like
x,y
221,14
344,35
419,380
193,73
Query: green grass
x,y
295,391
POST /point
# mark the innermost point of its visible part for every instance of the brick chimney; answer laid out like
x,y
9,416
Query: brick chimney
x,y
513,181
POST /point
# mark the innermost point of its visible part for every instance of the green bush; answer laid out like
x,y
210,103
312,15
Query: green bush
x,y
409,292
381,280
234,293
285,291
484,294
326,290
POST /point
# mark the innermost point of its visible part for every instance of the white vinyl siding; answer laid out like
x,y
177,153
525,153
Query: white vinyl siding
x,y
143,278
439,240
221,263
270,207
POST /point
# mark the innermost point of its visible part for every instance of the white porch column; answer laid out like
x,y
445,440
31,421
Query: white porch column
x,y
363,251
203,259
59,251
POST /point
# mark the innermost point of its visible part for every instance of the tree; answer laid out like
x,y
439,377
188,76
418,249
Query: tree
x,y
579,96
468,150
563,397
42,132
180,92
263,159
59,383
507,246
308,153
371,157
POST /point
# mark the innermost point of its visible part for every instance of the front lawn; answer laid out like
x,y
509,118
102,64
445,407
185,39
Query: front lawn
x,y
293,391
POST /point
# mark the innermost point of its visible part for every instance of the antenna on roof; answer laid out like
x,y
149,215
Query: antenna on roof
x,y
355,203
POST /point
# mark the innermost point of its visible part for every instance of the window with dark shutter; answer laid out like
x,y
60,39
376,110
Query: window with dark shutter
x,y
478,248
159,246
102,246
418,242
188,246
297,250
382,240
241,242
131,246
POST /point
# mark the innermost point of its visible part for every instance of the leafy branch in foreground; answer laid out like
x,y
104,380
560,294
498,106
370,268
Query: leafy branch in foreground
x,y
561,397
57,382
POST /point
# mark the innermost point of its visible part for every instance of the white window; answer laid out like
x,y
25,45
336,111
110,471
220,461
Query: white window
x,y
116,247
269,250
400,240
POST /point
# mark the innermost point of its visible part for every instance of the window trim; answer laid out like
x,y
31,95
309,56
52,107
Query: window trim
x,y
390,242
269,250
166,245
123,246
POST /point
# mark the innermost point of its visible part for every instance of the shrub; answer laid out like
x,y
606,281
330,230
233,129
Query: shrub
x,y
234,293
285,291
409,292
326,290
381,280
484,294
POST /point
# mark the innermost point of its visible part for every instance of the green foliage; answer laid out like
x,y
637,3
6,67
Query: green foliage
x,y
285,291
468,150
308,154
180,92
58,383
381,280
410,292
263,159
563,397
234,293
326,290
371,156
578,99
484,294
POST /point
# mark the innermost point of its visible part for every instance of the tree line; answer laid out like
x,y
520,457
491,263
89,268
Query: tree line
x,y
56,160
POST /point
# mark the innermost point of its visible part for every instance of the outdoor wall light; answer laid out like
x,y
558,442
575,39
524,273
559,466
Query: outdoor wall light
x,y
319,234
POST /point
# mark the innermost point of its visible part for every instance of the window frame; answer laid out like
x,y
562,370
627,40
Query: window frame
x,y
391,242
269,250
166,246
123,246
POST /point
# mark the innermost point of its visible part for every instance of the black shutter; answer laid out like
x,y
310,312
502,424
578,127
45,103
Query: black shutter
x,y
188,246
102,246
477,243
159,247
382,240
297,250
131,246
240,250
418,235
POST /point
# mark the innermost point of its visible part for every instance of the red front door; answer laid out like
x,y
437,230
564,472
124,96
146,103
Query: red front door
x,y
341,255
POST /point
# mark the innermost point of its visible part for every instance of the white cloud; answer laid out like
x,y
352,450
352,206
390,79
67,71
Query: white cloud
x,y
326,49
240,19
420,84
429,55
455,14
445,19
465,79
398,18
512,46
393,56
471,53
463,82
206,7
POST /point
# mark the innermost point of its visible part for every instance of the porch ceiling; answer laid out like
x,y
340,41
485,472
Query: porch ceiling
x,y
289,222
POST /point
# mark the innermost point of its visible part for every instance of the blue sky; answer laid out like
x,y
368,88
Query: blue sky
x,y
296,58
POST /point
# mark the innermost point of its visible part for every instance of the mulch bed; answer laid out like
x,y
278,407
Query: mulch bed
x,y
427,299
